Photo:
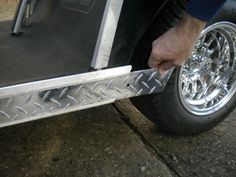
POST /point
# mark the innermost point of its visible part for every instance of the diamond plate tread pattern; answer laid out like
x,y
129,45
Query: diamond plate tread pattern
x,y
40,104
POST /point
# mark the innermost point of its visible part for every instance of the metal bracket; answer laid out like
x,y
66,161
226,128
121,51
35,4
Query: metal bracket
x,y
40,99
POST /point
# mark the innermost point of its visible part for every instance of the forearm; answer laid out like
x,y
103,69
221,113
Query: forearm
x,y
191,27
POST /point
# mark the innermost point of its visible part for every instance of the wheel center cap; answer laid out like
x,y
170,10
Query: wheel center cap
x,y
202,64
205,66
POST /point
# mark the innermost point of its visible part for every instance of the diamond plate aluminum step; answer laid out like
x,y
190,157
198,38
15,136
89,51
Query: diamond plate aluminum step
x,y
41,99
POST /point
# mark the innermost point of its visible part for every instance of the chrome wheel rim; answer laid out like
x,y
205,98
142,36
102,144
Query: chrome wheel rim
x,y
207,80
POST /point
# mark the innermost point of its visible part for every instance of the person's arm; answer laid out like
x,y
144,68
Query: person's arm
x,y
176,45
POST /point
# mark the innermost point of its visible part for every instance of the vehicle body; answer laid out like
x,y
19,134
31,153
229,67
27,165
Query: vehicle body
x,y
71,55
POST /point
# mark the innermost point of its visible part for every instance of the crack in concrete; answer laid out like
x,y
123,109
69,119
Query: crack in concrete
x,y
149,145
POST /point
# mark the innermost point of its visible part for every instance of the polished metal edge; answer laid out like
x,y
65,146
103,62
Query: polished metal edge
x,y
106,34
99,88
19,16
62,81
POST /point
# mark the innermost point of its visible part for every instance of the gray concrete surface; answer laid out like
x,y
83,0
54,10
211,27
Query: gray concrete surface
x,y
211,154
90,143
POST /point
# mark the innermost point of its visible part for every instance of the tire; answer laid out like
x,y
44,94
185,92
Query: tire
x,y
171,110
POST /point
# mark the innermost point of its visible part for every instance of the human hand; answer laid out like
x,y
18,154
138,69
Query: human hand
x,y
175,46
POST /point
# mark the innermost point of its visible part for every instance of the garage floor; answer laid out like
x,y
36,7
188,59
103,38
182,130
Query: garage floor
x,y
59,42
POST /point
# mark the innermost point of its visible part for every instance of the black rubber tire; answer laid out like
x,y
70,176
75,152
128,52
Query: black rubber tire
x,y
165,109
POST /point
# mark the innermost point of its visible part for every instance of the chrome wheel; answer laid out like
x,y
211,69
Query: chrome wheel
x,y
207,81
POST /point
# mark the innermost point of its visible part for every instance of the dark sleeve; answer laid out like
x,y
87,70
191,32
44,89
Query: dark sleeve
x,y
204,9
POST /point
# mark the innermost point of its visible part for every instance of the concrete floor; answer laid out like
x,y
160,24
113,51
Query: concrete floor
x,y
114,140
94,142
211,154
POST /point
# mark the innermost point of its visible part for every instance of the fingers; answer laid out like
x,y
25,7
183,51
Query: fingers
x,y
154,59
165,66
161,65
153,63
167,54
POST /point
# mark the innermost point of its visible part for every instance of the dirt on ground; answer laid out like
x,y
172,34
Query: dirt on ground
x,y
7,9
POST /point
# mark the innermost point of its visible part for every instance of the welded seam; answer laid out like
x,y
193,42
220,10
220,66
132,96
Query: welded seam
x,y
145,141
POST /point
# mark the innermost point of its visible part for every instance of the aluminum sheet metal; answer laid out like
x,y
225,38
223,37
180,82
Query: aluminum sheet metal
x,y
41,99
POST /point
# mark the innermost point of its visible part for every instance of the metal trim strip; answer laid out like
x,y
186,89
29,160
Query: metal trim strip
x,y
106,34
41,99
63,81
